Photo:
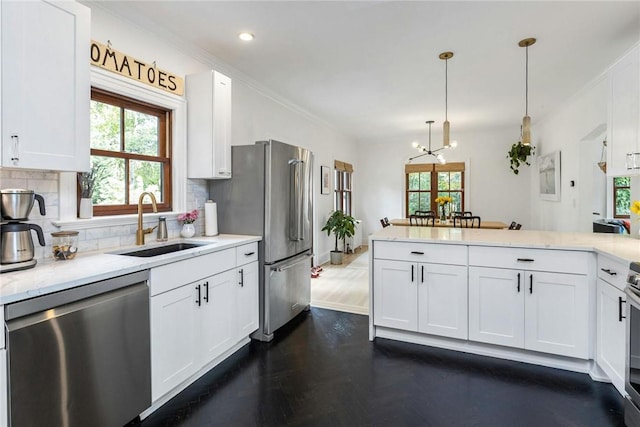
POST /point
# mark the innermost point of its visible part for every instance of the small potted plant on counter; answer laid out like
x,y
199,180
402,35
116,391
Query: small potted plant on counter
x,y
86,184
342,226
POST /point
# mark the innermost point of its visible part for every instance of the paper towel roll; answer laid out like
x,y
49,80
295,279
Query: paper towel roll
x,y
210,218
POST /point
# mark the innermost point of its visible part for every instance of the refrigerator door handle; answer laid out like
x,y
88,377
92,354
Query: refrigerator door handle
x,y
293,262
296,196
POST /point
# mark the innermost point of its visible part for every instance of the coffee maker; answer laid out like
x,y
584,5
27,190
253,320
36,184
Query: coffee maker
x,y
17,249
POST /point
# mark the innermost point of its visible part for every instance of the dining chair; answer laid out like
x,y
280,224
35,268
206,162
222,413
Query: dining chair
x,y
462,213
422,220
466,221
425,213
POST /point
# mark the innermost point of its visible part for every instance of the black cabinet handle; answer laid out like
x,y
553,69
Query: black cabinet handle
x,y
422,274
620,303
518,282
412,273
417,253
199,301
249,253
526,259
242,277
609,272
206,291
530,283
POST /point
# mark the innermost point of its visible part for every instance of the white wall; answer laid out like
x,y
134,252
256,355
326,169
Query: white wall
x,y
493,191
571,128
257,114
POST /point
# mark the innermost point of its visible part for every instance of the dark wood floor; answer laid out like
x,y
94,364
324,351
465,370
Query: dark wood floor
x,y
321,370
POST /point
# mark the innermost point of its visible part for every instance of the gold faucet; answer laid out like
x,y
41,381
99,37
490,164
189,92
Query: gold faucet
x,y
140,232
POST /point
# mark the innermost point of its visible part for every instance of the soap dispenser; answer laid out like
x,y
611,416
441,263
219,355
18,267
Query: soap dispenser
x,y
162,229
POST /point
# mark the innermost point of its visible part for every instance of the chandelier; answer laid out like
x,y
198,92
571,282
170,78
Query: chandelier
x,y
526,120
428,151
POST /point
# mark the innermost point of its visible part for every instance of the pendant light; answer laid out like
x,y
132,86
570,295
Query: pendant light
x,y
526,121
428,151
446,143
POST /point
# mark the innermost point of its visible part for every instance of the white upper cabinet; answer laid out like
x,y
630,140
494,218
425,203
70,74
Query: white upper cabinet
x,y
624,116
209,125
45,85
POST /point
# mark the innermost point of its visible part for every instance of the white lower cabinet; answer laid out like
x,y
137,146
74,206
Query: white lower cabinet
x,y
611,338
496,306
421,297
175,341
196,323
534,310
248,299
611,324
218,331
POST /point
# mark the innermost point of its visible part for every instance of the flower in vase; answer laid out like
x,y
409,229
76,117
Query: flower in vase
x,y
443,201
635,207
188,217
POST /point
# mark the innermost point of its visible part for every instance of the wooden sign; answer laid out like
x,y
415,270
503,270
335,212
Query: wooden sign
x,y
105,57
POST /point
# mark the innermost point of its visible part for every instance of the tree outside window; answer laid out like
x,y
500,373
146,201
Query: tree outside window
x,y
621,197
130,144
425,182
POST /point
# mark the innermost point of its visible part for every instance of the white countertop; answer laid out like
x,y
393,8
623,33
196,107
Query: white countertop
x,y
52,276
623,247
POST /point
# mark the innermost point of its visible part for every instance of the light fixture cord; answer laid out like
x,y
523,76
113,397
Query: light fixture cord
x,y
446,92
429,137
526,83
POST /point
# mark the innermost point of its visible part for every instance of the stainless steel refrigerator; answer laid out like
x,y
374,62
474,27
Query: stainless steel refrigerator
x,y
270,194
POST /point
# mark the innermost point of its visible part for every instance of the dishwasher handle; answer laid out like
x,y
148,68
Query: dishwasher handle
x,y
76,306
46,302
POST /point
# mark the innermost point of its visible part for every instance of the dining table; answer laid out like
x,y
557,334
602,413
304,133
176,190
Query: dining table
x,y
494,225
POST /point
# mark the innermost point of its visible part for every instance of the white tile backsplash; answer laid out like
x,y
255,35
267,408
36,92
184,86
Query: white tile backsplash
x,y
46,183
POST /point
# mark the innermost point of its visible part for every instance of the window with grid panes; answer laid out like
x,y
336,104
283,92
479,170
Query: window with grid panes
x,y
621,197
425,182
342,176
131,150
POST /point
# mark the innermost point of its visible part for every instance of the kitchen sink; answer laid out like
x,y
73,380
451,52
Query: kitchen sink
x,y
161,250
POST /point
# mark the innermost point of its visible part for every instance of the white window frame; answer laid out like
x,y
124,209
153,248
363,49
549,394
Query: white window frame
x,y
111,82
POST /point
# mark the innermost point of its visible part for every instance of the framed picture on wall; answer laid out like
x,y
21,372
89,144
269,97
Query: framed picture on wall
x,y
325,180
549,173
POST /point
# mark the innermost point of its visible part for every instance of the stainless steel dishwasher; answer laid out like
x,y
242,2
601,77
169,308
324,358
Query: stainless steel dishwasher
x,y
80,357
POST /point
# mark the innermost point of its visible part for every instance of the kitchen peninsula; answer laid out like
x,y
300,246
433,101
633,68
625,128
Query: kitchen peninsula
x,y
528,296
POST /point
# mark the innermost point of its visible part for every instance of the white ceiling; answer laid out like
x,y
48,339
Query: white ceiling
x,y
371,68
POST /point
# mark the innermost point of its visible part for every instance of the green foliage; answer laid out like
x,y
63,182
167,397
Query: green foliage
x,y
341,225
622,196
87,181
140,137
518,154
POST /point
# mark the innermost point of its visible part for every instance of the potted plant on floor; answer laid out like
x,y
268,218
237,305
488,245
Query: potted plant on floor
x,y
342,226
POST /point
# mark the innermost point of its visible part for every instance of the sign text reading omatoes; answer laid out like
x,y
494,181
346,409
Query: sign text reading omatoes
x,y
105,57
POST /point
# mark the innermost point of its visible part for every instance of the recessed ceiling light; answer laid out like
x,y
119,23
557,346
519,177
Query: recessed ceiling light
x,y
247,37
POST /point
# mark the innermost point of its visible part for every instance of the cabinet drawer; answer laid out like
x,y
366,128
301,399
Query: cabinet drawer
x,y
176,274
421,252
247,253
530,259
612,271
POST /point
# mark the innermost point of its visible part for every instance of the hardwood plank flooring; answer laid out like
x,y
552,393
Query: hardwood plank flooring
x,y
344,287
321,370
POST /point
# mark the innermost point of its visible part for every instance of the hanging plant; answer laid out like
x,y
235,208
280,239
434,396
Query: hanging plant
x,y
518,155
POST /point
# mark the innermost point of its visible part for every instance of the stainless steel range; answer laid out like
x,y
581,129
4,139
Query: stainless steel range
x,y
632,374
